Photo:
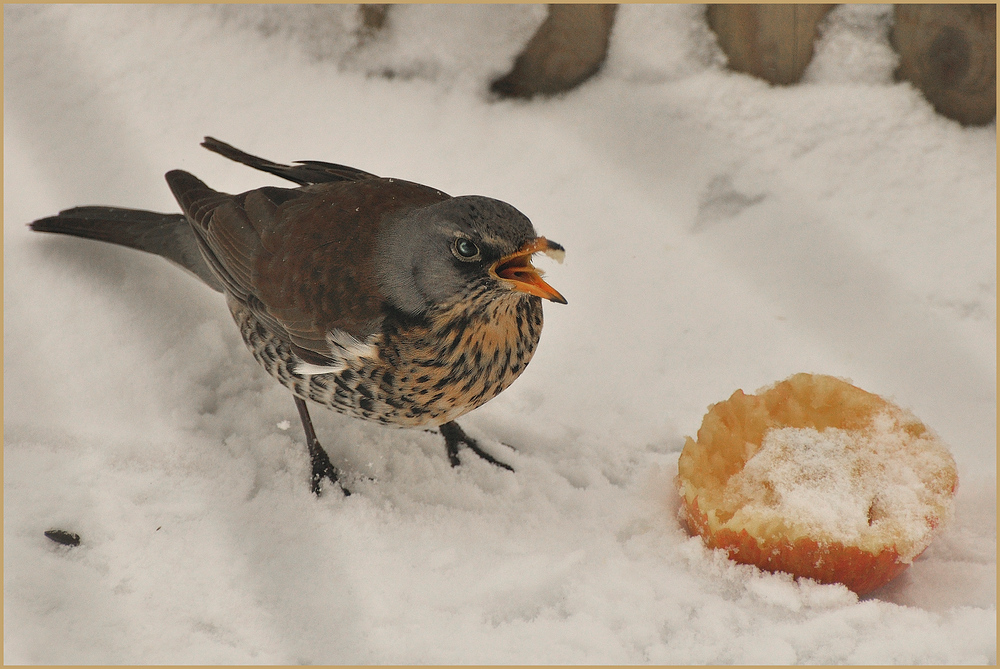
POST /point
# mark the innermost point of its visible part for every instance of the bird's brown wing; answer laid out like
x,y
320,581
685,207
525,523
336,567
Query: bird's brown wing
x,y
301,259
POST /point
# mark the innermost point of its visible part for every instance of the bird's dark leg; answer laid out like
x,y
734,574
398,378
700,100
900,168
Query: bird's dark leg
x,y
321,465
455,435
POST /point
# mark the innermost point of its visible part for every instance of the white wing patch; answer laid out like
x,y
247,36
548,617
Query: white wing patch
x,y
345,349
309,369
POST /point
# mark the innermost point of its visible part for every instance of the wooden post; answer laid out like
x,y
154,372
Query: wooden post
x,y
773,42
950,53
373,19
568,48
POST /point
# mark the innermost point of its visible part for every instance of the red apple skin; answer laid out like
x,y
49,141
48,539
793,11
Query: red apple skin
x,y
859,570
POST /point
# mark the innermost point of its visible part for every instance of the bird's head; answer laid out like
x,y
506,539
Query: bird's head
x,y
431,255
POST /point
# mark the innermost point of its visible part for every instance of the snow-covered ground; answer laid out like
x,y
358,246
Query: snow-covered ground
x,y
721,234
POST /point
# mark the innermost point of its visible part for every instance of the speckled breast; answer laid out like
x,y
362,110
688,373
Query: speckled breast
x,y
425,374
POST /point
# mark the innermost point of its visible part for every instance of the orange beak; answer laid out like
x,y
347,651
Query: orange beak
x,y
517,270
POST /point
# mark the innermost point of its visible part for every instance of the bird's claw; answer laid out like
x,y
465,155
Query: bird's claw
x,y
322,468
454,436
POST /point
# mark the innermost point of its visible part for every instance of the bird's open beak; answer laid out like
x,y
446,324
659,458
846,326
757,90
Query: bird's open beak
x,y
518,271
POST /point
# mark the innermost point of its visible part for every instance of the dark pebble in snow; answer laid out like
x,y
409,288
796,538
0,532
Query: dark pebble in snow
x,y
63,537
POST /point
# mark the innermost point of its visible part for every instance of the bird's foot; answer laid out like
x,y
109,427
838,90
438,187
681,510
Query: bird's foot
x,y
455,435
322,468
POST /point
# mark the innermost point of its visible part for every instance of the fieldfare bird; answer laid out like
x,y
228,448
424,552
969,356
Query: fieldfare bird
x,y
379,298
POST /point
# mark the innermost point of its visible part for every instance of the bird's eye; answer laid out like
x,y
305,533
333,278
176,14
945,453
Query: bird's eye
x,y
465,249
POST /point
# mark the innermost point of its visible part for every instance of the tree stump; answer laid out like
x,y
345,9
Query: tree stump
x,y
773,42
569,47
950,53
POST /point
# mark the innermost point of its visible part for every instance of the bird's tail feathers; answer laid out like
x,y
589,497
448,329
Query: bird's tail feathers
x,y
166,235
